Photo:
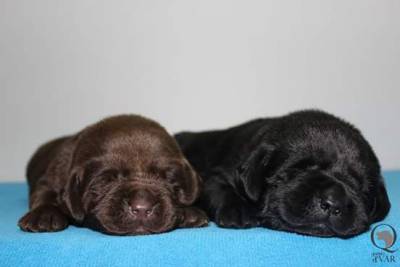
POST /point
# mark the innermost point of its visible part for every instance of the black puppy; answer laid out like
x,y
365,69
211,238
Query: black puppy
x,y
307,172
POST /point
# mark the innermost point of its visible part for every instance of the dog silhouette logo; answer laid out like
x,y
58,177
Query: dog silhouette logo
x,y
383,236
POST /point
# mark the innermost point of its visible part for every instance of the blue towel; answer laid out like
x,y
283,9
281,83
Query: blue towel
x,y
209,246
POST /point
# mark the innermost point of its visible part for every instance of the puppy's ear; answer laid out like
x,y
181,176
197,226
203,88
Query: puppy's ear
x,y
72,195
184,179
251,171
381,205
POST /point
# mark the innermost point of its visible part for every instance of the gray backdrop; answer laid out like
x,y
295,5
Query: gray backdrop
x,y
194,65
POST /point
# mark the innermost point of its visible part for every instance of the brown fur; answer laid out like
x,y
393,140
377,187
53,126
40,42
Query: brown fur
x,y
87,180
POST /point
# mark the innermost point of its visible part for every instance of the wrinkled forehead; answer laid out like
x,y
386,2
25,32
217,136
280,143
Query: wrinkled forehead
x,y
122,166
139,181
119,151
321,182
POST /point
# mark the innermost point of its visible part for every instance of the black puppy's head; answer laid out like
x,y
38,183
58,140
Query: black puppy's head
x,y
120,201
314,200
316,203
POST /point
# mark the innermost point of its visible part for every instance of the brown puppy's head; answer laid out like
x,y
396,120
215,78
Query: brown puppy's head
x,y
122,201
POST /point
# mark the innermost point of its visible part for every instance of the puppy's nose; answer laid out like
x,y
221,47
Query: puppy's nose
x,y
142,204
333,200
142,209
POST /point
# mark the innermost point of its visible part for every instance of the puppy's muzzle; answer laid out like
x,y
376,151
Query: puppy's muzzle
x,y
143,205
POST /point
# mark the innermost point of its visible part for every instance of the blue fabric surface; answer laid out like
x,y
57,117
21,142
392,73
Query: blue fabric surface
x,y
210,246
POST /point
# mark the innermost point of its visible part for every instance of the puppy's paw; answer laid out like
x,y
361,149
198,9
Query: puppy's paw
x,y
236,216
194,217
43,219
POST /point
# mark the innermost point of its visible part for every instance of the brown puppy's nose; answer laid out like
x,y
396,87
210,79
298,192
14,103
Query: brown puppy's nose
x,y
142,204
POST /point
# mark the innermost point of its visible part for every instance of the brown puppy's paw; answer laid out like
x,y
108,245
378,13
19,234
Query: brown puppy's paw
x,y
194,217
43,219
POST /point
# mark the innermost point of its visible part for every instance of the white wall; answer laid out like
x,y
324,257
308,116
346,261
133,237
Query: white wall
x,y
194,65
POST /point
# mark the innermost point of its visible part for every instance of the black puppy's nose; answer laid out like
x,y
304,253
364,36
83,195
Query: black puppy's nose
x,y
333,200
142,204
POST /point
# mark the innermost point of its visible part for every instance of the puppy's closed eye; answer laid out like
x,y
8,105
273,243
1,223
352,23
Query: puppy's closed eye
x,y
184,179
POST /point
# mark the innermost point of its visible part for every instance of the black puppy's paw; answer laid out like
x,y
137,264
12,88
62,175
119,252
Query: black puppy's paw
x,y
194,217
43,219
239,215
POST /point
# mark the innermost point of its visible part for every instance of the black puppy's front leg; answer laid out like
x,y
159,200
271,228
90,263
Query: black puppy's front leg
x,y
225,205
44,214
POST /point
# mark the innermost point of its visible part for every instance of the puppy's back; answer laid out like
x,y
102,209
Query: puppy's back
x,y
41,159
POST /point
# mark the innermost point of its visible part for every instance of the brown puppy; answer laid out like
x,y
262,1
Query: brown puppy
x,y
124,175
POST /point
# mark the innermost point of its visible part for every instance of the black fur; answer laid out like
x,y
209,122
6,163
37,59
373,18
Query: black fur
x,y
307,172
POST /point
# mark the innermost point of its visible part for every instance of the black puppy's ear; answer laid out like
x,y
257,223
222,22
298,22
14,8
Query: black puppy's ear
x,y
381,205
251,172
184,179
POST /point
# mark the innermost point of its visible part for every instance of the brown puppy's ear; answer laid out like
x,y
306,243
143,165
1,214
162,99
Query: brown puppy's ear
x,y
251,171
381,204
73,193
184,179
76,194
